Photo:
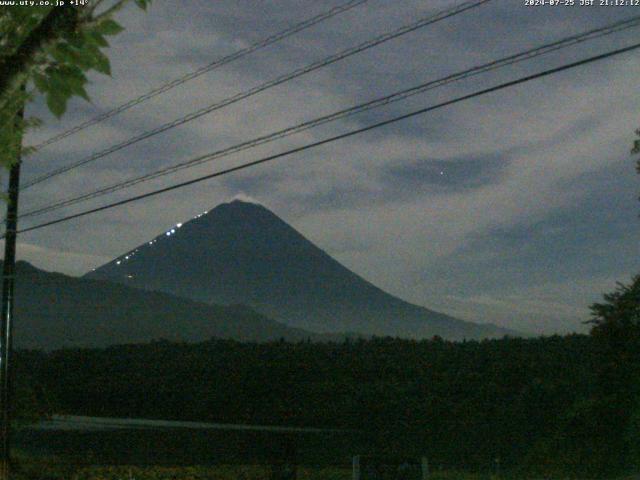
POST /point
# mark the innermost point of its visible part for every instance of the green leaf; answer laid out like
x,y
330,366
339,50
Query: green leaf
x,y
88,57
59,85
142,4
109,27
40,81
102,64
74,80
96,38
57,103
75,39
64,53
81,92
72,73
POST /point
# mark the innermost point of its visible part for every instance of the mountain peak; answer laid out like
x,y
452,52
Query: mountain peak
x,y
250,218
236,206
242,199
240,252
240,204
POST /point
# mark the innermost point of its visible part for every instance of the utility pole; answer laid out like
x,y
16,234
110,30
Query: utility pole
x,y
6,310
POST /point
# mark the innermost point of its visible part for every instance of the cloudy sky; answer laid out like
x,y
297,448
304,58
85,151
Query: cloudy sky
x,y
518,207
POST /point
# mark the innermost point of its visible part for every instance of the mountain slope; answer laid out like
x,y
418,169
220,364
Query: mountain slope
x,y
55,310
241,252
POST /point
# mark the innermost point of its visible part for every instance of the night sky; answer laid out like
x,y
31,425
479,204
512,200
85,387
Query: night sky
x,y
519,207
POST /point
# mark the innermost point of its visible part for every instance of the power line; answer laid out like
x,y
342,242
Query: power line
x,y
308,146
394,97
423,22
205,69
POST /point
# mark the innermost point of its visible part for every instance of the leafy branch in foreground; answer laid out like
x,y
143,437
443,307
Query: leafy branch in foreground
x,y
48,50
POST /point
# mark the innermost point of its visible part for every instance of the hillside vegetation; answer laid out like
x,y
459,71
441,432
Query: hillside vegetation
x,y
539,405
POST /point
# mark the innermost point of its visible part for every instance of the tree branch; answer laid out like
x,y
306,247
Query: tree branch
x,y
90,9
14,68
109,11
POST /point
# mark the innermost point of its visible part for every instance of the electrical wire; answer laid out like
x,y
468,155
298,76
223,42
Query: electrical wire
x,y
383,101
423,22
205,69
332,139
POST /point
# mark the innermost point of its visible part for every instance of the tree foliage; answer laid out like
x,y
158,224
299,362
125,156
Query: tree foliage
x,y
48,50
616,329
619,314
464,404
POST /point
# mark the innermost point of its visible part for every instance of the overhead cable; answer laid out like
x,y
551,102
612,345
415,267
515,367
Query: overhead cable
x,y
332,139
204,69
423,22
379,102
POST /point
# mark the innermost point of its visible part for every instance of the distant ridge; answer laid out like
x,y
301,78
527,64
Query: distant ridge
x,y
55,311
241,252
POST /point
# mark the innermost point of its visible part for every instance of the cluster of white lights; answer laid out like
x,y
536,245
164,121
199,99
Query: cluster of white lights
x,y
200,215
127,257
168,234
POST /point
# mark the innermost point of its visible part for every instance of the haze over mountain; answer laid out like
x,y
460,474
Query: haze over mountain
x,y
242,253
55,310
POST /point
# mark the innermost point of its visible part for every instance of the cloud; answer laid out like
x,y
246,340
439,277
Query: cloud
x,y
73,263
243,197
468,209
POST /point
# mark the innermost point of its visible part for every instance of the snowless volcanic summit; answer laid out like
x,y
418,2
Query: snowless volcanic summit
x,y
242,253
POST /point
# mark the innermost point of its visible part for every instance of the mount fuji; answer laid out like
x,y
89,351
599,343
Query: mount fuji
x,y
242,253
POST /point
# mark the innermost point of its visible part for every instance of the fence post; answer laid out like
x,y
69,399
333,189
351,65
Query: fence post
x,y
424,461
356,467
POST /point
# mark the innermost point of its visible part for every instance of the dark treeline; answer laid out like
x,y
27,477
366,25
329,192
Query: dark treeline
x,y
546,404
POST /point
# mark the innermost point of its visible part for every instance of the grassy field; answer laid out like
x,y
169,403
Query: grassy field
x,y
29,467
